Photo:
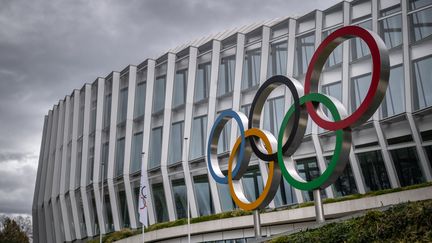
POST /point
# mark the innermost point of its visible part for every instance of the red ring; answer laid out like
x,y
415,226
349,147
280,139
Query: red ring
x,y
368,104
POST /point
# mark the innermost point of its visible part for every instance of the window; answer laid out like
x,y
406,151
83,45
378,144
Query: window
x,y
202,82
345,184
198,140
224,138
155,148
106,111
227,203
226,75
421,25
179,95
180,198
273,115
104,160
394,101
251,68
391,31
308,170
422,70
159,94
334,90
122,106
203,195
137,143
429,153
305,47
109,223
160,203
277,63
335,57
374,171
78,162
252,183
407,166
119,157
93,109
285,194
359,48
124,213
359,88
416,4
175,143
139,107
388,7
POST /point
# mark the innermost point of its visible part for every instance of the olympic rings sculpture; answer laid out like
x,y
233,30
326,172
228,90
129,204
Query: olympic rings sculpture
x,y
306,102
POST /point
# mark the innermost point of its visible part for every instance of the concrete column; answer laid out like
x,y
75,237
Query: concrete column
x,y
112,150
193,53
147,129
128,147
166,134
211,114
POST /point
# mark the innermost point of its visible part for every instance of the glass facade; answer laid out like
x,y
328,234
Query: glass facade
x,y
278,56
124,209
373,170
122,106
140,93
273,115
119,156
155,148
345,184
202,81
304,49
251,68
179,94
285,194
137,143
159,94
159,203
107,111
224,138
226,75
226,201
428,150
359,48
308,170
203,195
198,140
421,25
359,88
176,143
407,166
394,102
335,57
180,198
252,183
422,85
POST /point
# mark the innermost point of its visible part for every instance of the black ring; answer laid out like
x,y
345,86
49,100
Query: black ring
x,y
258,103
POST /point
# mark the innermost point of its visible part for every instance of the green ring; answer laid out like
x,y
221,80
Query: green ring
x,y
319,181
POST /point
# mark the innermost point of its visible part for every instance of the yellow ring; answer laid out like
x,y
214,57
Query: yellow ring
x,y
243,202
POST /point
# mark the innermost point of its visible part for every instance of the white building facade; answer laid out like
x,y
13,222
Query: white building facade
x,y
96,139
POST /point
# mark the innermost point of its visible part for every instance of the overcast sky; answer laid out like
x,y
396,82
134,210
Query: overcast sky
x,y
49,48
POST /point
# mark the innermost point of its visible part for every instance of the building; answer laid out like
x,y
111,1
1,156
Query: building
x,y
101,130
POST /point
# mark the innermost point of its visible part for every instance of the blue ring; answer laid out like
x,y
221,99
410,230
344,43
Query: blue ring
x,y
235,116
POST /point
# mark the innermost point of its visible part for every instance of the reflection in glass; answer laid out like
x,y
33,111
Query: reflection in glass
x,y
159,94
176,143
179,94
429,153
336,55
359,88
416,4
308,170
305,47
226,75
119,156
422,70
389,7
359,48
124,213
224,138
334,90
273,115
155,148
345,184
391,31
198,140
374,171
421,24
277,64
285,194
122,105
203,195
137,143
140,100
202,81
407,166
227,203
252,183
159,203
180,198
251,68
394,102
